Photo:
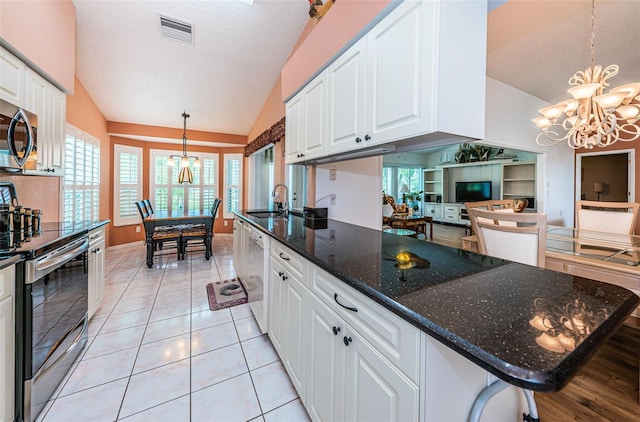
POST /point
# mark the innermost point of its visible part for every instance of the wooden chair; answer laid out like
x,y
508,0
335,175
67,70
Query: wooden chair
x,y
513,236
607,217
197,233
160,236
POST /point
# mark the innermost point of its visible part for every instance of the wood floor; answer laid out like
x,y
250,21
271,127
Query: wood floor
x,y
605,389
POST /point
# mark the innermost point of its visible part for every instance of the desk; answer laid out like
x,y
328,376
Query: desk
x,y
178,218
412,222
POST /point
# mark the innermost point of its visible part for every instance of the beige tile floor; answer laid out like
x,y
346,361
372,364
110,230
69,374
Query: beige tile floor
x,y
157,353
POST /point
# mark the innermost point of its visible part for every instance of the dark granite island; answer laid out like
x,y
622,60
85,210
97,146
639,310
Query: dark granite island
x,y
493,312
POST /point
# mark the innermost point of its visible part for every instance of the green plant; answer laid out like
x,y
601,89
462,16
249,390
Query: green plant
x,y
414,196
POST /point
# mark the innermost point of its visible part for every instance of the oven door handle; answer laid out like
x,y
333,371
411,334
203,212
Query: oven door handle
x,y
83,324
49,263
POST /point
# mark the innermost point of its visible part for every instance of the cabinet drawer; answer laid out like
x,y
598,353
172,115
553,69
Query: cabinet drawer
x,y
96,236
449,209
6,282
289,259
451,217
390,335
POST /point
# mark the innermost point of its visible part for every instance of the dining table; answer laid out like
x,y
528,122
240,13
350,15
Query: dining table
x,y
178,219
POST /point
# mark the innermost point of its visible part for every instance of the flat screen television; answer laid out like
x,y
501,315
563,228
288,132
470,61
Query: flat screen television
x,y
473,191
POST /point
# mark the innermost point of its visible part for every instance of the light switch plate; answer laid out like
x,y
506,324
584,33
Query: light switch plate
x,y
332,174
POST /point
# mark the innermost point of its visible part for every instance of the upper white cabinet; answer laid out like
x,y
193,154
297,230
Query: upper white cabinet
x,y
306,126
22,86
49,104
12,74
419,73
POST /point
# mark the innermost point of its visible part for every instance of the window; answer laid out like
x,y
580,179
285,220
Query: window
x,y
127,184
261,174
81,187
169,195
394,178
232,183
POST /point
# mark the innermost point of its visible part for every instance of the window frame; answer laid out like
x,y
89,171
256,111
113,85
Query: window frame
x,y
119,149
227,211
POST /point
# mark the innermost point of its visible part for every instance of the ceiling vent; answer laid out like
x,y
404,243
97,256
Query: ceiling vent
x,y
177,30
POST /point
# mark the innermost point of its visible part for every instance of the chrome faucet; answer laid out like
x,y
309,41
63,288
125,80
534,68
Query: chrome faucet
x,y
282,206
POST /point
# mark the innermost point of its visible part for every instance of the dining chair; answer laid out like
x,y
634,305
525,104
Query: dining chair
x,y
197,233
159,236
519,237
607,217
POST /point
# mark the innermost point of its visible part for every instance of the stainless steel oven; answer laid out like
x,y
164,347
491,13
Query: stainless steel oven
x,y
54,321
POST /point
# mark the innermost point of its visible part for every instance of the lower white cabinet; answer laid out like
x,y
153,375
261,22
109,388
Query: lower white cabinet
x,y
287,322
96,269
7,344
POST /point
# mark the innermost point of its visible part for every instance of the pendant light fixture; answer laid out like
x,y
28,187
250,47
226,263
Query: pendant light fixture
x,y
592,118
185,175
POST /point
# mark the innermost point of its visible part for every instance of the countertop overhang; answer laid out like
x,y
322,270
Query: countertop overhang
x,y
478,306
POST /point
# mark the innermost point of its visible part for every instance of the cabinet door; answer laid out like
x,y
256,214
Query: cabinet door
x,y
375,389
38,103
399,49
57,117
277,310
96,272
326,360
315,118
7,344
12,76
294,128
347,99
295,335
237,247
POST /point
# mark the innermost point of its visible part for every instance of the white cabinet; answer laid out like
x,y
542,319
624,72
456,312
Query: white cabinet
x,y
96,269
433,210
49,104
287,317
519,181
12,74
452,213
306,126
403,79
7,344
347,99
350,376
238,246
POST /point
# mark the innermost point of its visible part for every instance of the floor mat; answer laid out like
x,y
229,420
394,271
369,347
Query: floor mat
x,y
223,294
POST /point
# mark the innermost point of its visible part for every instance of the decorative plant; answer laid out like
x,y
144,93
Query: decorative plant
x,y
469,152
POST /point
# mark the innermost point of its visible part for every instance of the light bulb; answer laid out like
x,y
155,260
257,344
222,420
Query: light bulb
x,y
184,162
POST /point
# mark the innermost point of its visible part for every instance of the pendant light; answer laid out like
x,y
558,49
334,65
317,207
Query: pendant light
x,y
185,175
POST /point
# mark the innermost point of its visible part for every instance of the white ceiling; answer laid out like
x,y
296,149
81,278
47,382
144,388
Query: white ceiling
x,y
136,76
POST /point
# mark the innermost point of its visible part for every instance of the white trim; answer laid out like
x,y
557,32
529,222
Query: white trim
x,y
227,210
631,170
129,219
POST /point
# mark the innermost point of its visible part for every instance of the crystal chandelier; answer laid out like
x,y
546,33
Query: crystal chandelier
x,y
185,175
592,118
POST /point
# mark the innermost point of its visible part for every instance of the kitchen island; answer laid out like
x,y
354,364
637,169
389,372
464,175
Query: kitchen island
x,y
490,311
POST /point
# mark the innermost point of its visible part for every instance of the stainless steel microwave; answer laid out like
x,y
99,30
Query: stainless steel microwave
x,y
18,136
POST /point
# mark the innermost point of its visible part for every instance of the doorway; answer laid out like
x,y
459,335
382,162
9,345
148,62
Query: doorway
x,y
607,176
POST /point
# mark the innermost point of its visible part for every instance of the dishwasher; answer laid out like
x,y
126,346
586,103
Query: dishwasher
x,y
256,276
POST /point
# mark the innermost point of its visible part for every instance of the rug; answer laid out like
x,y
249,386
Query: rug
x,y
223,294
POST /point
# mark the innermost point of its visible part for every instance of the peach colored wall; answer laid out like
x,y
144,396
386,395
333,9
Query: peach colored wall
x,y
52,47
83,113
343,21
126,234
41,192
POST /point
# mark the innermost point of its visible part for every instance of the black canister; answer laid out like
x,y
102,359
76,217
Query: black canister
x,y
26,221
6,218
18,218
36,217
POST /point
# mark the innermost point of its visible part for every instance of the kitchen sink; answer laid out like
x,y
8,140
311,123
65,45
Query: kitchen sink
x,y
265,214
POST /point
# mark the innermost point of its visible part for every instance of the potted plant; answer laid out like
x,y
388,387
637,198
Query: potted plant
x,y
413,200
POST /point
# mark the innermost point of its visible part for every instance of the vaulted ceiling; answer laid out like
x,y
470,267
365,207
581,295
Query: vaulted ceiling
x,y
137,76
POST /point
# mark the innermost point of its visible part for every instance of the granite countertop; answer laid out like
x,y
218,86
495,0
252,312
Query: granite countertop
x,y
480,307
51,234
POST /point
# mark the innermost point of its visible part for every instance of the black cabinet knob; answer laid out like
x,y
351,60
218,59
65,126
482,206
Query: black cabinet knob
x,y
280,273
346,340
358,140
336,330
367,137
